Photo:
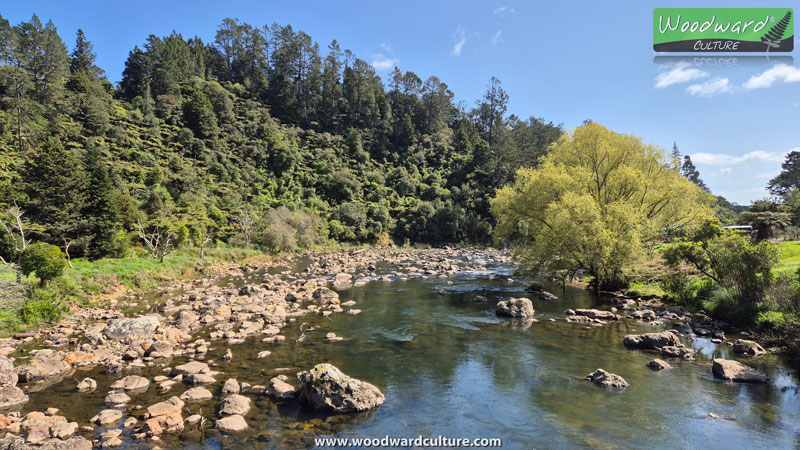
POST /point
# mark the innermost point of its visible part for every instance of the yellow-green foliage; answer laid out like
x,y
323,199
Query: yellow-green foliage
x,y
594,202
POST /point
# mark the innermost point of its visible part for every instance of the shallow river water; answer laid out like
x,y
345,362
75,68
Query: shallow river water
x,y
449,366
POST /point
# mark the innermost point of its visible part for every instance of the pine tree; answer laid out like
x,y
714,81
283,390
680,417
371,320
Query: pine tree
x,y
690,171
54,183
99,211
676,157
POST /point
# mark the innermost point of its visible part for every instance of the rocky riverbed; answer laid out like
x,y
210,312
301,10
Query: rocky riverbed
x,y
224,356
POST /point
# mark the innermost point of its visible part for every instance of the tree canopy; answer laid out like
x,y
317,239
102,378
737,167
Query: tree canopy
x,y
595,202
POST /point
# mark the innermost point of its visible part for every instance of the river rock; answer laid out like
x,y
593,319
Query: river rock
x,y
133,329
678,351
40,428
160,349
231,386
12,396
117,399
190,368
326,388
234,404
164,417
197,394
736,371
8,375
232,424
131,383
658,364
87,385
515,307
44,365
107,417
748,348
651,340
596,314
547,296
280,389
606,379
645,314
342,279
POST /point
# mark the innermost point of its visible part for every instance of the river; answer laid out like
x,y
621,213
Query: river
x,y
449,366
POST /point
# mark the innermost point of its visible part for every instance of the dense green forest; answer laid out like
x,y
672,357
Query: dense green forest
x,y
256,139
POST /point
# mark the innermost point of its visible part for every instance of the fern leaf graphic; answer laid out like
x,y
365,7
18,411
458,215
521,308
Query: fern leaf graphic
x,y
775,34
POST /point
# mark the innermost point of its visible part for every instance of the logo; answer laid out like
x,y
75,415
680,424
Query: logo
x,y
723,30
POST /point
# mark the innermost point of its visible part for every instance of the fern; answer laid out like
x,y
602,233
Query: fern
x,y
775,34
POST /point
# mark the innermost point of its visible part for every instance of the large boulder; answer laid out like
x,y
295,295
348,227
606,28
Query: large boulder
x,y
132,329
45,365
515,307
606,379
8,375
326,388
651,340
736,371
748,348
12,396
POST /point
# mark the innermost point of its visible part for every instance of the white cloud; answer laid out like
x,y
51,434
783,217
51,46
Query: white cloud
x,y
497,39
710,88
781,73
680,74
386,47
504,11
460,35
723,171
721,159
383,63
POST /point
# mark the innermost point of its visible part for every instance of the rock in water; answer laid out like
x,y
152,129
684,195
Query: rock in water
x,y
603,378
132,330
596,314
11,396
234,404
658,364
515,307
326,388
232,424
651,340
8,375
749,348
736,371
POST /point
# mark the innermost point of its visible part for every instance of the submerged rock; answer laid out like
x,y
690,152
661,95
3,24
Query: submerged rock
x,y
658,364
606,379
515,307
87,385
678,351
748,348
651,340
736,371
326,388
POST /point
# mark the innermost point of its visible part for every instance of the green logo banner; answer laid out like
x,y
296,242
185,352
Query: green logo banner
x,y
723,29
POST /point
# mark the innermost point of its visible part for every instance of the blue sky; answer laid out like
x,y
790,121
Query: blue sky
x,y
563,61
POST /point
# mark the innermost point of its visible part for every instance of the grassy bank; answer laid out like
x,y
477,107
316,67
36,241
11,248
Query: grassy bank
x,y
26,306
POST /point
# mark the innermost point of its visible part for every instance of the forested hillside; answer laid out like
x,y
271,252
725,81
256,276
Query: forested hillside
x,y
256,139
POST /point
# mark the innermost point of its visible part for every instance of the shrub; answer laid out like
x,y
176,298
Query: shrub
x,y
771,320
44,310
47,261
724,304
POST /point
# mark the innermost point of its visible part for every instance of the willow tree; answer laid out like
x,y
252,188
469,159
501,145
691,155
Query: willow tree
x,y
595,202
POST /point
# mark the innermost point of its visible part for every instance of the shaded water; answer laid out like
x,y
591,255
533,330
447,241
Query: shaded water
x,y
450,367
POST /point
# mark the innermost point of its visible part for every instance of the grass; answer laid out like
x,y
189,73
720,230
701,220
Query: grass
x,y
25,307
790,256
